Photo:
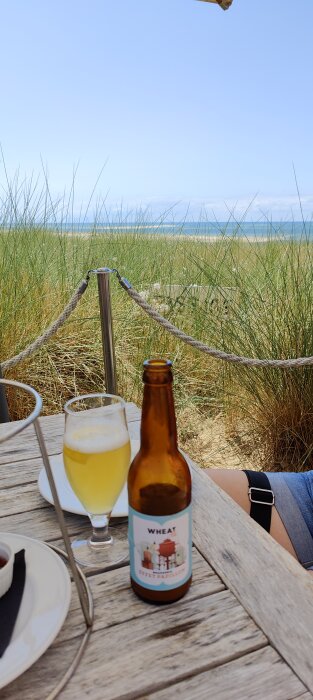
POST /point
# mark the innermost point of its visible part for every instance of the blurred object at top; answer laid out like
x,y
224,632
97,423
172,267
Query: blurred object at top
x,y
224,4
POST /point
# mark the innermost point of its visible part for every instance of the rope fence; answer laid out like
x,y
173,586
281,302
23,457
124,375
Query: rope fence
x,y
156,316
51,330
213,352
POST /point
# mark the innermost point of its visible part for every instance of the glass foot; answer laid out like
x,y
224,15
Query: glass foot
x,y
99,555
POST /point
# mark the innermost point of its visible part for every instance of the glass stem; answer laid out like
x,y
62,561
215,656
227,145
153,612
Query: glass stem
x,y
100,530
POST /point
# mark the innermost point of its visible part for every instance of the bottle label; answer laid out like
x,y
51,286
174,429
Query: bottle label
x,y
160,549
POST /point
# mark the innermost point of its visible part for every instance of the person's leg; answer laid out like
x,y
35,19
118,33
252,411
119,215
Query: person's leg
x,y
235,483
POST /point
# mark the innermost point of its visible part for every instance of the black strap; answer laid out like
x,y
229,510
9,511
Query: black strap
x,y
10,602
261,497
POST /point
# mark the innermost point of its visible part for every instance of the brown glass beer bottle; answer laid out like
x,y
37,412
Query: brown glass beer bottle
x,y
159,494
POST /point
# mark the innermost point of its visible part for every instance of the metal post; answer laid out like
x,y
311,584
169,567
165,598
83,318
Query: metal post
x,y
4,411
103,276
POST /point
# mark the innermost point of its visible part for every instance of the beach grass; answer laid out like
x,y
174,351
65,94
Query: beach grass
x,y
262,306
40,270
271,317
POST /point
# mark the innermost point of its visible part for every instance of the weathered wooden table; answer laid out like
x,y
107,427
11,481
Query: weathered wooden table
x,y
244,630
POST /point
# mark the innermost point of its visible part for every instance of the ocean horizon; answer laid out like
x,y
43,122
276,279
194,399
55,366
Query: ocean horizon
x,y
249,229
286,230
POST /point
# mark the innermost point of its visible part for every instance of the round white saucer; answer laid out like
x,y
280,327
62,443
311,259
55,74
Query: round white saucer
x,y
43,609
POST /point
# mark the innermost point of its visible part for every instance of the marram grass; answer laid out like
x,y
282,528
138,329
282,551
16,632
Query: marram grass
x,y
268,312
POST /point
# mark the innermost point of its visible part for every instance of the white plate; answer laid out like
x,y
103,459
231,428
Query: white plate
x,y
68,500
43,609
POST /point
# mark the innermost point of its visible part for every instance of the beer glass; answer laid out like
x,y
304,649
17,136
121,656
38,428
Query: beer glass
x,y
96,456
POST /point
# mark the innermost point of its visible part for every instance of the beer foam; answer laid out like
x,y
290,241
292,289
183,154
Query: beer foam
x,y
96,438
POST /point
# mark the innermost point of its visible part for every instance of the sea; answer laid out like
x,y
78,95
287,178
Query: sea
x,y
247,229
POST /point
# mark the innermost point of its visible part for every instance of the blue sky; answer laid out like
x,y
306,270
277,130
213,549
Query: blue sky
x,y
182,103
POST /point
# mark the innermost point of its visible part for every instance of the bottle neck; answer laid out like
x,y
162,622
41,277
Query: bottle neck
x,y
158,423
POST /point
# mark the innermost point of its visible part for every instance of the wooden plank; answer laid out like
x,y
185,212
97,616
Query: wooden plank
x,y
20,472
42,524
21,499
25,446
257,676
144,654
116,604
272,586
148,652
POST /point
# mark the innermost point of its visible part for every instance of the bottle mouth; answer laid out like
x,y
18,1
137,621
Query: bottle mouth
x,y
157,364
